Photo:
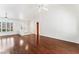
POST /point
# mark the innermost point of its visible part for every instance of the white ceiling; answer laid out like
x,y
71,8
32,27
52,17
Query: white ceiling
x,y
19,11
30,11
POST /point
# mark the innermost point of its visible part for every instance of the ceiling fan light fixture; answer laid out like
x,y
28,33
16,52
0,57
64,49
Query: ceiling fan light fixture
x,y
42,7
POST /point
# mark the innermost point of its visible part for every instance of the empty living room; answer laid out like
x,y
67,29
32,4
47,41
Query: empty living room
x,y
39,28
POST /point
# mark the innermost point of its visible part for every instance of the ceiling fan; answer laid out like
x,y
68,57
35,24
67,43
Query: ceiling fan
x,y
42,7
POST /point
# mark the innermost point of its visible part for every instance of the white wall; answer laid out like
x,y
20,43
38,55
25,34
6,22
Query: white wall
x,y
60,22
24,28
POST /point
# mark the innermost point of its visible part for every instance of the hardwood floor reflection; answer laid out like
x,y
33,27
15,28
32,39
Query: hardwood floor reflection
x,y
17,44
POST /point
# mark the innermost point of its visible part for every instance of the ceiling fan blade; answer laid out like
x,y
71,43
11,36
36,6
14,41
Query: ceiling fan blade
x,y
45,9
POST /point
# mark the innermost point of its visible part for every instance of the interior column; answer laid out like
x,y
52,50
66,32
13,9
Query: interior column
x,y
37,36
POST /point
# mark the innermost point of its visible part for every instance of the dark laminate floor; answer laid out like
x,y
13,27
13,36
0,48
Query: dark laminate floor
x,y
16,44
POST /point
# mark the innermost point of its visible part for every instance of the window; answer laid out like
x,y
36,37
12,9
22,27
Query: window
x,y
0,26
8,27
4,26
11,26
